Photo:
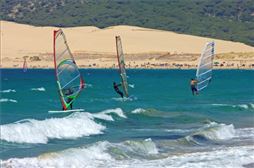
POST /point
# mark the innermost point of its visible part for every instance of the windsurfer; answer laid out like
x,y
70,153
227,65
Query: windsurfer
x,y
117,89
69,100
67,93
193,84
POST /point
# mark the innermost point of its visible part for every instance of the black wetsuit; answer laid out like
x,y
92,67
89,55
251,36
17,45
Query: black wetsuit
x,y
117,90
193,89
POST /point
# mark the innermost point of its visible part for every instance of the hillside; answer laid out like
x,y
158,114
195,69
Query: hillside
x,y
222,19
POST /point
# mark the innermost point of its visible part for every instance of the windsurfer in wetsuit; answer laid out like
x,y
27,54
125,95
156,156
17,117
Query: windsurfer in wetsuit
x,y
67,93
117,89
193,84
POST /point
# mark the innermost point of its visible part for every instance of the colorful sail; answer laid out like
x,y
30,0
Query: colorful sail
x,y
69,80
205,67
121,63
24,65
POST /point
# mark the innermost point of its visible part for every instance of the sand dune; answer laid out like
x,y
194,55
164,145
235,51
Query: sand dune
x,y
18,40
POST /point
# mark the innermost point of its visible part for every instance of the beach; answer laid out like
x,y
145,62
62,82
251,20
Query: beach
x,y
95,48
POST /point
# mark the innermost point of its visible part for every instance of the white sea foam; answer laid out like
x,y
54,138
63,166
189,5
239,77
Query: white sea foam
x,y
87,85
93,156
252,105
138,110
40,131
41,89
8,91
245,133
99,155
179,130
220,104
8,100
132,85
124,99
243,106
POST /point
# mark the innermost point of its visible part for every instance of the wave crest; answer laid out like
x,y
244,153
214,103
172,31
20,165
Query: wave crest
x,y
105,114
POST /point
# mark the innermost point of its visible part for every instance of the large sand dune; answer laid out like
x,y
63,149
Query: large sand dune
x,y
18,40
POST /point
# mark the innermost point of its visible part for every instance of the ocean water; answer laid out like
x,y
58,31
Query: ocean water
x,y
160,125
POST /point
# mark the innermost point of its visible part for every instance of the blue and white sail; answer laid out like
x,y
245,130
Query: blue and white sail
x,y
205,66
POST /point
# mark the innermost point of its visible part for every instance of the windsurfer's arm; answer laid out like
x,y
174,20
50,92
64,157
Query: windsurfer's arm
x,y
119,84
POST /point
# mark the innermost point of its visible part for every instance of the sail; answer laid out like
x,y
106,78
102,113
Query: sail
x,y
121,63
205,66
69,81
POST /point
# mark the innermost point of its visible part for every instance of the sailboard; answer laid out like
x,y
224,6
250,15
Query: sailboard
x,y
24,65
68,78
66,111
121,63
205,66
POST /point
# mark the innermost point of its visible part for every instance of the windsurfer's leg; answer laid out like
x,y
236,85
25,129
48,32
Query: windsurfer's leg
x,y
120,93
71,105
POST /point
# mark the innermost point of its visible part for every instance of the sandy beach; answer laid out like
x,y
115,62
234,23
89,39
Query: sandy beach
x,y
95,48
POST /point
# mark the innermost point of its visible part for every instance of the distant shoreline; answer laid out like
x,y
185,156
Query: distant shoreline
x,y
133,68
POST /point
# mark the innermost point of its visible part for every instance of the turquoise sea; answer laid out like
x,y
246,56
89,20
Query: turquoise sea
x,y
160,125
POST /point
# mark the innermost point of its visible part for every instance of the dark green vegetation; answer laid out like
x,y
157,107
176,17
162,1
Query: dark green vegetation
x,y
223,19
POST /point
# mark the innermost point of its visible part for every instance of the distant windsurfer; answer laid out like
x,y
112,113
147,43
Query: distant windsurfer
x,y
193,84
117,89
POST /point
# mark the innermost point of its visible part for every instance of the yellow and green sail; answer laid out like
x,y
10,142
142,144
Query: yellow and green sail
x,y
121,63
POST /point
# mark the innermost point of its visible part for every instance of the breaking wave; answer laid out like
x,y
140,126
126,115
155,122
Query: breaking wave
x,y
105,114
74,126
40,131
134,154
138,110
211,132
